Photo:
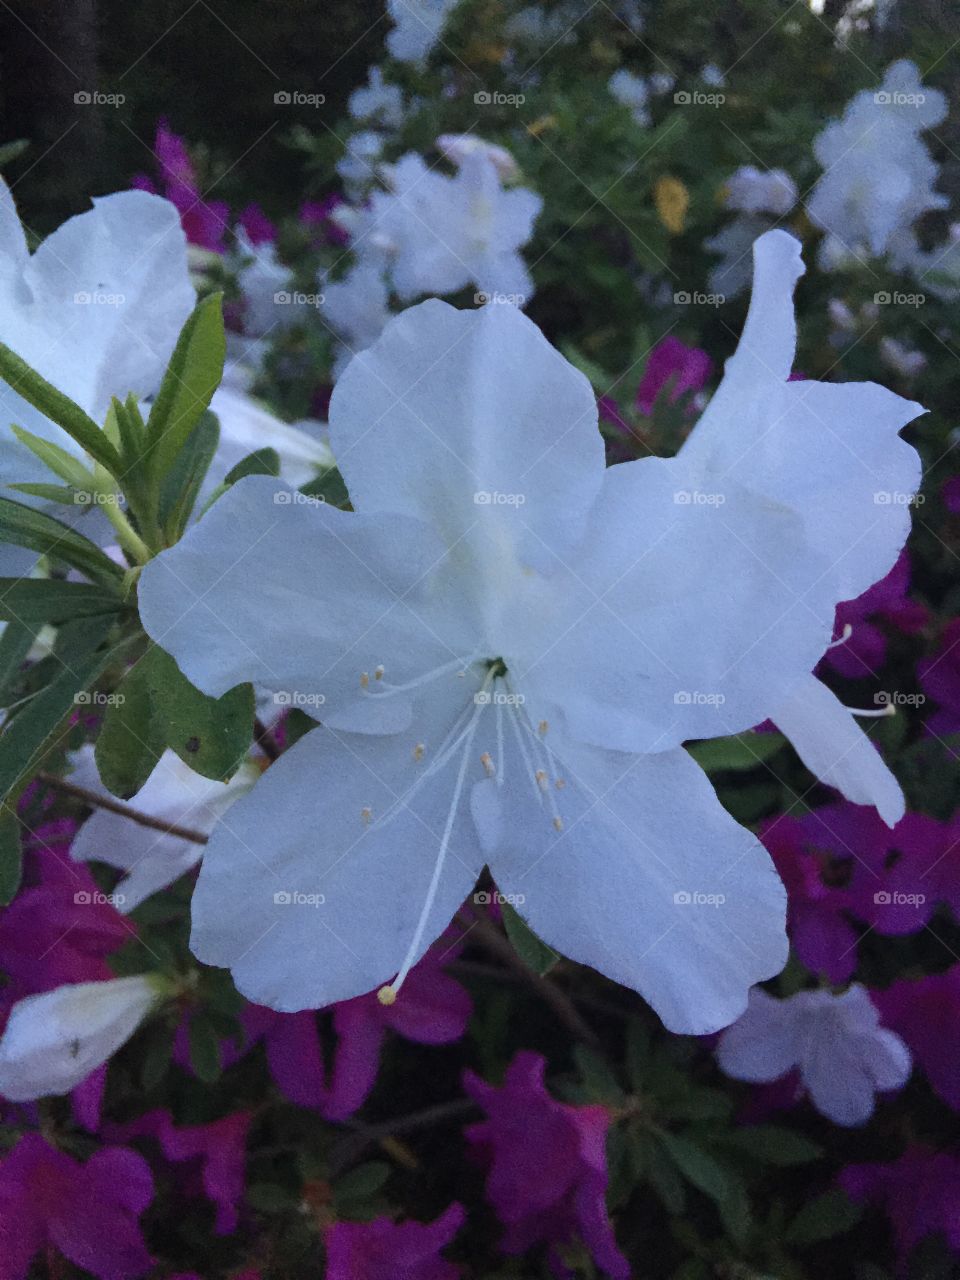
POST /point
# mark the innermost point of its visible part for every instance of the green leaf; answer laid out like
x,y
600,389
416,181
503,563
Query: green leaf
x,y
38,600
211,735
826,1216
53,404
742,751
534,953
192,377
15,644
721,1184
11,857
59,461
771,1144
661,1173
63,494
328,487
26,735
262,462
596,1074
131,740
204,1049
25,527
180,487
130,428
361,1183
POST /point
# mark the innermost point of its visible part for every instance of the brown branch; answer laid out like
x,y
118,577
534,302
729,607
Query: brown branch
x,y
96,801
499,945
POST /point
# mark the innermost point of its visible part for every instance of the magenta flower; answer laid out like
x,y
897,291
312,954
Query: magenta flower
x,y
59,928
841,861
920,1193
87,1212
547,1172
940,680
204,222
257,226
671,362
316,215
435,1010
886,601
215,1152
927,1015
385,1250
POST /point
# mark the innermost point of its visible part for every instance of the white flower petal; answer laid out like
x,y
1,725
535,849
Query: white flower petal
x,y
832,745
53,1041
762,1045
471,421
312,885
337,594
648,880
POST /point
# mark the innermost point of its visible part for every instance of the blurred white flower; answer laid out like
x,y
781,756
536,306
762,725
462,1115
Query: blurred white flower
x,y
358,167
457,146
632,92
377,101
904,360
879,176
735,243
261,276
753,190
53,1041
153,859
836,1042
417,26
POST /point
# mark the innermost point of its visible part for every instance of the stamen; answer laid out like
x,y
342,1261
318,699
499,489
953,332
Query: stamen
x,y
542,727
560,783
387,690
366,815
847,633
364,680
878,713
418,752
487,762
378,672
558,824
394,987
541,777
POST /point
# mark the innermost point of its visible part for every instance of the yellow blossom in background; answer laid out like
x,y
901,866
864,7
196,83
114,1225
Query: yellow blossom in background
x,y
672,199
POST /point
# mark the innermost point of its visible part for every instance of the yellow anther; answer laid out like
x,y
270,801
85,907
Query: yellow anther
x,y
487,761
387,996
378,673
418,751
560,783
366,813
364,680
543,726
558,824
541,777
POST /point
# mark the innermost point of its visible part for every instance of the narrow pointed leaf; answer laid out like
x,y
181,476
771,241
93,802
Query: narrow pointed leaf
x,y
39,600
192,377
26,527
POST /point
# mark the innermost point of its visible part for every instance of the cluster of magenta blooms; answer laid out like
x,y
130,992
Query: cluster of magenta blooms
x,y
543,1160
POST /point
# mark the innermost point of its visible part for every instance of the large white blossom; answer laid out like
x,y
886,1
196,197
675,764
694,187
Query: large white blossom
x,y
836,1042
153,859
52,1041
878,174
512,644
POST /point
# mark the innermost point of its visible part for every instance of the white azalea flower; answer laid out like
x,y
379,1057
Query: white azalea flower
x,y
843,1054
53,1041
752,190
442,234
96,310
879,176
377,101
261,277
457,146
902,359
417,26
153,859
513,643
